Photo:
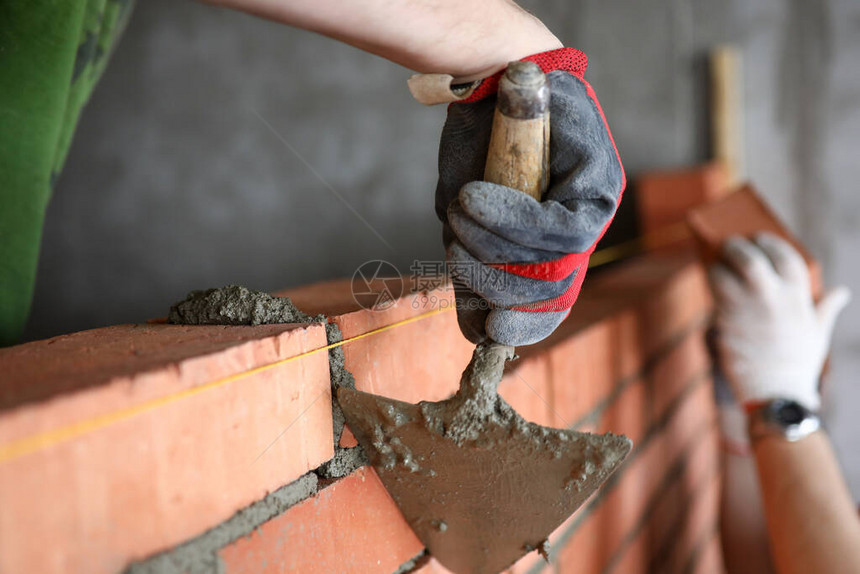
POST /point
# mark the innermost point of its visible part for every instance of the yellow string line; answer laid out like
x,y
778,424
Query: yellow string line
x,y
659,238
28,445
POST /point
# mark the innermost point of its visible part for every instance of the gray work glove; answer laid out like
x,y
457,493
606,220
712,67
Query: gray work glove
x,y
518,264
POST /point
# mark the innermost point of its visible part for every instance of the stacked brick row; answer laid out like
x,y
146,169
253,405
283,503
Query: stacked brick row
x,y
159,448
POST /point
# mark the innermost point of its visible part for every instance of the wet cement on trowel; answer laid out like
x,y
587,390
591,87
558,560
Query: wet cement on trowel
x,y
480,485
466,417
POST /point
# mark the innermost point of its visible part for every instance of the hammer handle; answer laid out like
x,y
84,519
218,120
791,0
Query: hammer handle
x,y
518,156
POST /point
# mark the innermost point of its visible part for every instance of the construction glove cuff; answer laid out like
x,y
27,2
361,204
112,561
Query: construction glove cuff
x,y
568,60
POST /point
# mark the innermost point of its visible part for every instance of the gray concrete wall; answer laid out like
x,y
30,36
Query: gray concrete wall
x,y
224,149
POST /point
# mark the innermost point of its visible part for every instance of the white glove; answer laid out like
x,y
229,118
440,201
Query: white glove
x,y
772,338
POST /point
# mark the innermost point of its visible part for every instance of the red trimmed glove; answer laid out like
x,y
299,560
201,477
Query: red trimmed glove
x,y
518,264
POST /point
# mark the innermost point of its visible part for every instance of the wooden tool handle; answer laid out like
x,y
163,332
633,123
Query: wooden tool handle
x,y
726,111
519,145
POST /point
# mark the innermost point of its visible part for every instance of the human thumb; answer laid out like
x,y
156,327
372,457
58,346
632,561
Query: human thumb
x,y
830,306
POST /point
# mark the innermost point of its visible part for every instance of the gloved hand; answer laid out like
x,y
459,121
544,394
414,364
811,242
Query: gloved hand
x,y
518,264
772,338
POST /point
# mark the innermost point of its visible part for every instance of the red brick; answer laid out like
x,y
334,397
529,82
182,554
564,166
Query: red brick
x,y
669,293
155,477
526,387
582,372
328,297
704,463
626,504
711,560
628,413
628,354
347,439
599,538
351,526
696,410
583,553
683,304
422,360
664,198
744,213
701,521
419,361
635,557
652,315
432,567
671,509
531,562
674,371
672,514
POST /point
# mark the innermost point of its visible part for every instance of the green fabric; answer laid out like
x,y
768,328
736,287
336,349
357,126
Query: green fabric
x,y
52,53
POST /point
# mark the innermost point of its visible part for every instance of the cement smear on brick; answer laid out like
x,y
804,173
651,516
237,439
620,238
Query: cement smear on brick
x,y
200,555
236,305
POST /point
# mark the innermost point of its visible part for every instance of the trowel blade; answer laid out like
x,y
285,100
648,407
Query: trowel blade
x,y
479,506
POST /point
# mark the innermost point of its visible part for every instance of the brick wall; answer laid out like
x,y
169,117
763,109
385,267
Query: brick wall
x,y
158,448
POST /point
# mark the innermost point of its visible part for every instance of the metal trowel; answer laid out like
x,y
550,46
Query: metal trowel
x,y
478,484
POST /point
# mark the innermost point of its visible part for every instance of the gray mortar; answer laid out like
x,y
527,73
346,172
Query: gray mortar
x,y
340,377
414,563
236,305
200,555
345,461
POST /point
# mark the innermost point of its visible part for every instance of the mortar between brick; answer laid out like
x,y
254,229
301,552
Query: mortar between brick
x,y
199,555
414,563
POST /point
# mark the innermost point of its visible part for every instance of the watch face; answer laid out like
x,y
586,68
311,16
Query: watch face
x,y
789,413
784,418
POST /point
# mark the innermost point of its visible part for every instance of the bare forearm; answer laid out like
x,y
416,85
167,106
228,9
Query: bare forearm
x,y
742,524
812,521
467,39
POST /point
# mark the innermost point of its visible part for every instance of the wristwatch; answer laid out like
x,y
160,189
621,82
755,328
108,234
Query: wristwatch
x,y
782,418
